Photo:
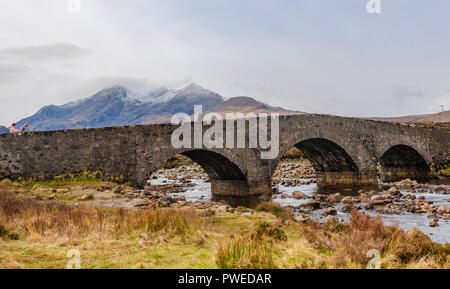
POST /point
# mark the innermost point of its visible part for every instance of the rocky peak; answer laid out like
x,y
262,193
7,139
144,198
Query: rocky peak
x,y
115,91
194,89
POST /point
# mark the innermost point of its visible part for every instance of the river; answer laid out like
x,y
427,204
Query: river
x,y
201,191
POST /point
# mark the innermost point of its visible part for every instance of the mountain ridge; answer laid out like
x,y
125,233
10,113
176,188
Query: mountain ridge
x,y
118,105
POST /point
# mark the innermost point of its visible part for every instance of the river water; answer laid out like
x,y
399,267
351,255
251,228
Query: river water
x,y
201,191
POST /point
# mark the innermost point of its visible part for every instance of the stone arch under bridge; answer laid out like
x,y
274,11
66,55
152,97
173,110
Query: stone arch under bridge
x,y
332,163
343,151
401,161
223,169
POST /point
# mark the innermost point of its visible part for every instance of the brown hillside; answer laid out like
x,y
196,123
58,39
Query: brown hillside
x,y
441,117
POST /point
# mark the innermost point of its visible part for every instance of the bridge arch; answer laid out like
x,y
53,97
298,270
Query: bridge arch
x,y
216,165
227,177
403,161
326,156
332,163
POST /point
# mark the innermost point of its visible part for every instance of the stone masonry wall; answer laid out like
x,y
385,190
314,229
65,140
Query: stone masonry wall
x,y
132,153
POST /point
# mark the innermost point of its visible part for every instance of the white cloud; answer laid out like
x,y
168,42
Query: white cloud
x,y
43,53
307,55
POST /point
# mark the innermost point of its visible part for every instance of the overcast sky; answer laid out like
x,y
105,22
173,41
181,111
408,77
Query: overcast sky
x,y
323,56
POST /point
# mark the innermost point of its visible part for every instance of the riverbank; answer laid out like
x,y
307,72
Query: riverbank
x,y
40,222
406,203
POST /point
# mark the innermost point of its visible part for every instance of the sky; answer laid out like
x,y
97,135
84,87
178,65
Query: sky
x,y
319,56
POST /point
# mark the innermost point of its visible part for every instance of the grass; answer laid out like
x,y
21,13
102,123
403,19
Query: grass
x,y
50,220
265,229
6,234
67,187
254,250
245,252
350,243
85,177
39,234
275,209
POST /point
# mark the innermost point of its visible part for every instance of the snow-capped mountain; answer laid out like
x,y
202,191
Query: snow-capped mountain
x,y
3,129
161,94
118,105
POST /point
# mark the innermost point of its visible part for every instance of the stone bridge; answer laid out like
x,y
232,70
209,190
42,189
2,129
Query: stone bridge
x,y
343,151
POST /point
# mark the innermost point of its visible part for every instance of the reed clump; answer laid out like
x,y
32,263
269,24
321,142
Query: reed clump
x,y
52,220
349,244
276,210
254,250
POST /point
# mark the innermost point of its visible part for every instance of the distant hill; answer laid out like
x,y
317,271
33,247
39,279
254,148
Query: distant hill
x,y
247,104
117,106
3,129
440,117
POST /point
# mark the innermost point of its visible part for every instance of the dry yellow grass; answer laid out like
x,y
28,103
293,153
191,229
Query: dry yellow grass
x,y
38,234
349,244
54,220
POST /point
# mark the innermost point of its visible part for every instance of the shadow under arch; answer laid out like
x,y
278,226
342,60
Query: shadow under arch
x,y
227,178
326,156
217,166
332,164
401,162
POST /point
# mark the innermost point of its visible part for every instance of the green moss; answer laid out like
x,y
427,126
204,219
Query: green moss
x,y
446,171
172,163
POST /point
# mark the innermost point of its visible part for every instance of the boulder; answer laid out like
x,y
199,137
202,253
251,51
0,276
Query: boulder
x,y
434,223
364,197
393,191
348,200
407,184
310,206
86,197
377,204
441,190
333,198
441,210
348,208
301,218
299,195
330,212
376,198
